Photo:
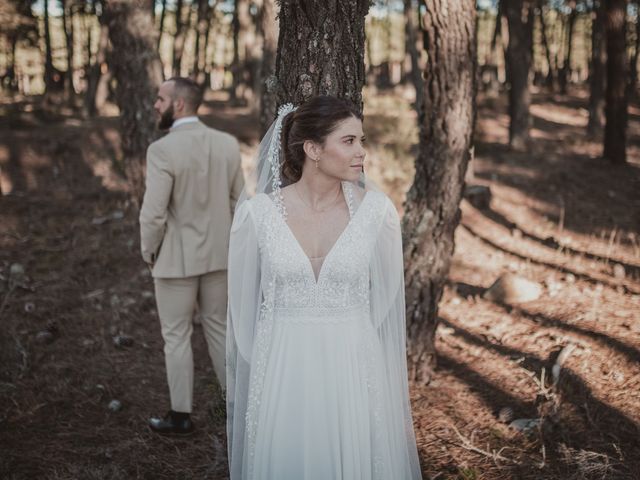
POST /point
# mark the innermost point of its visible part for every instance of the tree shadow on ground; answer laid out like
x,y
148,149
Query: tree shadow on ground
x,y
582,276
597,415
551,242
564,169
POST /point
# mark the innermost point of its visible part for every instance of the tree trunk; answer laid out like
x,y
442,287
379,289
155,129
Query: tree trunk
x,y
201,28
552,74
178,40
205,51
633,63
163,14
497,29
96,94
241,22
615,132
48,62
597,74
321,50
269,32
411,34
10,76
87,28
67,28
136,67
565,74
432,208
519,54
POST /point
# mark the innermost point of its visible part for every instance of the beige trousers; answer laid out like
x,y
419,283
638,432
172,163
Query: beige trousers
x,y
177,299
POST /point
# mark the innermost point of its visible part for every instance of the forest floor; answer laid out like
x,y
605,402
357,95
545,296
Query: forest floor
x,y
71,280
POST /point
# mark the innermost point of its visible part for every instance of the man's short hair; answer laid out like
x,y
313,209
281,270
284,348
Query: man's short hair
x,y
188,90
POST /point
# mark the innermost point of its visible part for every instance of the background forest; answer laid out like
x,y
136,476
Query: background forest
x,y
507,134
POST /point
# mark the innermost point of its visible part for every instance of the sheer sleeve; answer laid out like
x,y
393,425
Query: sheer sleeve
x,y
245,297
388,317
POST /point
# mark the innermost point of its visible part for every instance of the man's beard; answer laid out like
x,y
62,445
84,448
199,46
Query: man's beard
x,y
166,119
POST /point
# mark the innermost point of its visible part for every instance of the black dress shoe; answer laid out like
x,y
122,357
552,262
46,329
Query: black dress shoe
x,y
173,423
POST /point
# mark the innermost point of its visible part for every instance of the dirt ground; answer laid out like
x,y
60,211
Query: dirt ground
x,y
72,286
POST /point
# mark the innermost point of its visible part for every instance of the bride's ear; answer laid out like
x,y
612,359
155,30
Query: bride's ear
x,y
311,149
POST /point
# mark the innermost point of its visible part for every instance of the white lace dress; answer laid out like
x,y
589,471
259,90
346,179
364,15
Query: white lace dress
x,y
316,368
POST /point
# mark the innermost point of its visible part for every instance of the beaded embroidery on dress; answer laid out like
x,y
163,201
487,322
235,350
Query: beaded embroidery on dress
x,y
325,395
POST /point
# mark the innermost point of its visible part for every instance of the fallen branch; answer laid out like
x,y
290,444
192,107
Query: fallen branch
x,y
468,445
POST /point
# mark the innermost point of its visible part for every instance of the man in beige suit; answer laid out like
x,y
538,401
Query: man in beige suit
x,y
193,182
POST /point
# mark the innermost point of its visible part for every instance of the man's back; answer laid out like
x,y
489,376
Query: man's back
x,y
194,179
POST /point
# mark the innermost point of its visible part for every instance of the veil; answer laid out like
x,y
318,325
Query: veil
x,y
248,309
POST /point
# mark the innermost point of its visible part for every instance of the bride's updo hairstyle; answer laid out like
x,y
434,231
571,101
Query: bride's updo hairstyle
x,y
314,120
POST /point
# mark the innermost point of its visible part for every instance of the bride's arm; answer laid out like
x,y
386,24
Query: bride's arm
x,y
243,279
245,297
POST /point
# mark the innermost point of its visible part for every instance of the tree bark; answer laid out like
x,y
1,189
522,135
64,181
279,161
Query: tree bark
x,y
67,28
633,63
411,34
241,22
48,62
269,32
432,210
178,39
519,55
597,74
321,50
201,28
615,132
565,74
163,14
99,75
552,75
136,67
10,76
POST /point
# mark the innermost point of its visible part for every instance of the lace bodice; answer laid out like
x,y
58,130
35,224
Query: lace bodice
x,y
343,281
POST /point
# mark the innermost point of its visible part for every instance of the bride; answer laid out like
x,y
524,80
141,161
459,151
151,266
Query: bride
x,y
316,364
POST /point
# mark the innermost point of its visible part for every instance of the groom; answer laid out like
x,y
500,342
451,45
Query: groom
x,y
193,182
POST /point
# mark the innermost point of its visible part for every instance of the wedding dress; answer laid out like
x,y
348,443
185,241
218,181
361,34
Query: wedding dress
x,y
316,367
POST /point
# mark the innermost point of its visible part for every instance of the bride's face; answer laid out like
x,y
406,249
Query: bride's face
x,y
342,155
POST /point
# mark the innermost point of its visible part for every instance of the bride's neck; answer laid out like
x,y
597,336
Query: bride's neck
x,y
318,189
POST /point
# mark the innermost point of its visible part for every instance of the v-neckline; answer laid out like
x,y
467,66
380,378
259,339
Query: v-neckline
x,y
309,265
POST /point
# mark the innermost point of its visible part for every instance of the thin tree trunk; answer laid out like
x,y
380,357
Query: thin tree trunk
x,y
67,28
410,11
519,55
48,62
87,27
136,66
163,14
552,74
432,210
201,28
205,54
269,32
178,40
597,74
11,71
497,29
565,74
633,63
321,50
615,132
241,21
96,94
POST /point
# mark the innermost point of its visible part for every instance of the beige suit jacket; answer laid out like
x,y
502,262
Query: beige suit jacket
x,y
193,182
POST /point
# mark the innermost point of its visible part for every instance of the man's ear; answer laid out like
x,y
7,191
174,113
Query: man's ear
x,y
178,105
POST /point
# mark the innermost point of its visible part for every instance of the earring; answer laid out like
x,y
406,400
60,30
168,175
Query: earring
x,y
316,160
